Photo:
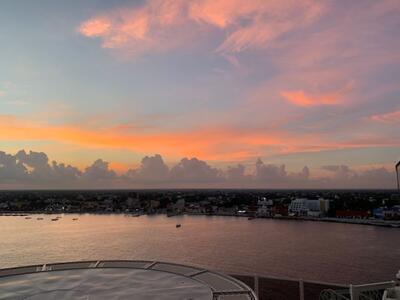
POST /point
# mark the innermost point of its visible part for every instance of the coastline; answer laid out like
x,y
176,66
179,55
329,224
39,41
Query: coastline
x,y
369,222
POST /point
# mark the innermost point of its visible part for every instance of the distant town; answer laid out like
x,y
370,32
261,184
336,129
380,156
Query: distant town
x,y
364,207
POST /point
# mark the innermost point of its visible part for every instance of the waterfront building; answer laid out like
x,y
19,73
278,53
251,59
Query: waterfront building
x,y
179,206
279,210
307,207
378,213
358,214
264,207
392,214
298,207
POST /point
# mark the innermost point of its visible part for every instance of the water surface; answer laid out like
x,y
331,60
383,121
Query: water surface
x,y
333,252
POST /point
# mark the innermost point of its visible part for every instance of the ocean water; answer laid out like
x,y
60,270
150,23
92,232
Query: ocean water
x,y
331,252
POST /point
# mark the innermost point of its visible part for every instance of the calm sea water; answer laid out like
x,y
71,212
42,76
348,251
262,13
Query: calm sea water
x,y
339,253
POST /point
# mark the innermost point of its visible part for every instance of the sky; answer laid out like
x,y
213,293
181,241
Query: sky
x,y
199,93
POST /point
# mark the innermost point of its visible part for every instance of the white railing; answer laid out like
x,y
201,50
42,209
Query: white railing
x,y
372,291
330,294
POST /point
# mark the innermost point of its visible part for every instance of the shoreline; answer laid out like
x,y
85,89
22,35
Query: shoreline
x,y
370,222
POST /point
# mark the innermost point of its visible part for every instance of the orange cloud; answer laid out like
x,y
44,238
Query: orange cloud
x,y
121,168
222,13
392,117
217,144
300,98
95,27
200,143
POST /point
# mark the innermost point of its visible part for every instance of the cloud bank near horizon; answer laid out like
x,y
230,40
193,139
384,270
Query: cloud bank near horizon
x,y
25,170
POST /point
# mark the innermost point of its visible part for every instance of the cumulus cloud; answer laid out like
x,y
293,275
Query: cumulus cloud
x,y
237,174
152,169
269,172
37,162
346,177
99,171
33,170
303,175
65,172
276,176
194,170
11,169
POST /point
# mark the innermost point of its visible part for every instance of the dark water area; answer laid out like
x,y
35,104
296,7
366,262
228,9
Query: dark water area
x,y
331,252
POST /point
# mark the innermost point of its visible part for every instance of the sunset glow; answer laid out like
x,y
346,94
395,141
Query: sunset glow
x,y
294,83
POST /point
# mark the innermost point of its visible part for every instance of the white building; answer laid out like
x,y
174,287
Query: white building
x,y
264,207
307,207
179,206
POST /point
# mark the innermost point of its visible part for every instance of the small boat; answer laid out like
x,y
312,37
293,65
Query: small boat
x,y
178,225
54,219
39,219
74,219
28,218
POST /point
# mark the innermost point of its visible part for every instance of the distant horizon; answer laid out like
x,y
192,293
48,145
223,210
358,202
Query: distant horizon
x,y
197,189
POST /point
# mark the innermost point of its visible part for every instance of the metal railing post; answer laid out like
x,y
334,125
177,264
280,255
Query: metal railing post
x,y
301,289
353,293
256,286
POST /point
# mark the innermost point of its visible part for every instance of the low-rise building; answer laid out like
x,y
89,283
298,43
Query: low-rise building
x,y
359,214
307,207
392,213
179,206
264,207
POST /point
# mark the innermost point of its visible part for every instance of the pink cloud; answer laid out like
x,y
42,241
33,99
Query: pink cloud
x,y
392,117
257,24
163,24
137,31
222,13
95,27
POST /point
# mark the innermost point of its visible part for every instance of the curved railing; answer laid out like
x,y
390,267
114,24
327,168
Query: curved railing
x,y
220,284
